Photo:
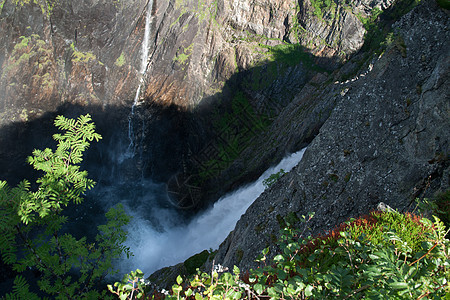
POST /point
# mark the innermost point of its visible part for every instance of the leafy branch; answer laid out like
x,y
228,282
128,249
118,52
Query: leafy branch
x,y
31,221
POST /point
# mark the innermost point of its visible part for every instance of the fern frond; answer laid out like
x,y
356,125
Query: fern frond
x,y
9,256
21,290
4,190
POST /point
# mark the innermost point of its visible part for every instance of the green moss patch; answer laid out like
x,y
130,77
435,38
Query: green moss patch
x,y
196,261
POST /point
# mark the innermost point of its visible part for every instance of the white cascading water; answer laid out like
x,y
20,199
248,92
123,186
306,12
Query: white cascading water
x,y
144,53
142,69
172,243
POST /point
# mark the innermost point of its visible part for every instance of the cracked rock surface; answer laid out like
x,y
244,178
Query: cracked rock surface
x,y
387,140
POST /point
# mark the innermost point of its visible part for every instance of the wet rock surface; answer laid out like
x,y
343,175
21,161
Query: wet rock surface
x,y
68,53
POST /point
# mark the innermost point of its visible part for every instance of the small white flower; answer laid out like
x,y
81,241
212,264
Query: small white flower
x,y
163,291
220,269
244,285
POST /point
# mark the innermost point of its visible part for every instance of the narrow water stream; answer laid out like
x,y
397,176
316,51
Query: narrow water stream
x,y
142,69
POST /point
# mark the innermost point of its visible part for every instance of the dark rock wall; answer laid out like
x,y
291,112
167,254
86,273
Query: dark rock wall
x,y
387,140
199,45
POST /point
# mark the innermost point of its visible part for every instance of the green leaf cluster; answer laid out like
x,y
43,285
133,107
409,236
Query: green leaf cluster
x,y
120,61
31,221
131,287
81,57
273,178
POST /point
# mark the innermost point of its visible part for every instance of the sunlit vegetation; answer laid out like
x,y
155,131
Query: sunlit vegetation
x,y
383,255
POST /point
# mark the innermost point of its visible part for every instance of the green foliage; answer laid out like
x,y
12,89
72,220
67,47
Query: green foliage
x,y
323,6
120,61
209,286
131,287
31,221
21,290
444,3
373,228
291,55
438,205
401,8
370,21
83,57
379,34
276,62
273,178
183,55
24,40
203,11
442,201
352,264
31,50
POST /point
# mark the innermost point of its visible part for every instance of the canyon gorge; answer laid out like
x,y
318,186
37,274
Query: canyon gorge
x,y
196,98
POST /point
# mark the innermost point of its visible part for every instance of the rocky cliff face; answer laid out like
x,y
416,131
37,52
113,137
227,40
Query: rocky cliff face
x,y
233,64
55,52
265,77
87,52
387,140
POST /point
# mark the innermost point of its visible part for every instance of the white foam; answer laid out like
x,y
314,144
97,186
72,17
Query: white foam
x,y
172,243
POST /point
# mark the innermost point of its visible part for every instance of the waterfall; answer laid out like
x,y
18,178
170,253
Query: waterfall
x,y
142,70
171,241
144,53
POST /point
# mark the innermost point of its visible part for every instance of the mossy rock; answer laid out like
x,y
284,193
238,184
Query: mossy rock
x,y
196,261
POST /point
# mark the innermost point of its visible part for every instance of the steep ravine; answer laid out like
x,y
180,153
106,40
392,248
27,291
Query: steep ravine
x,y
259,80
385,139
